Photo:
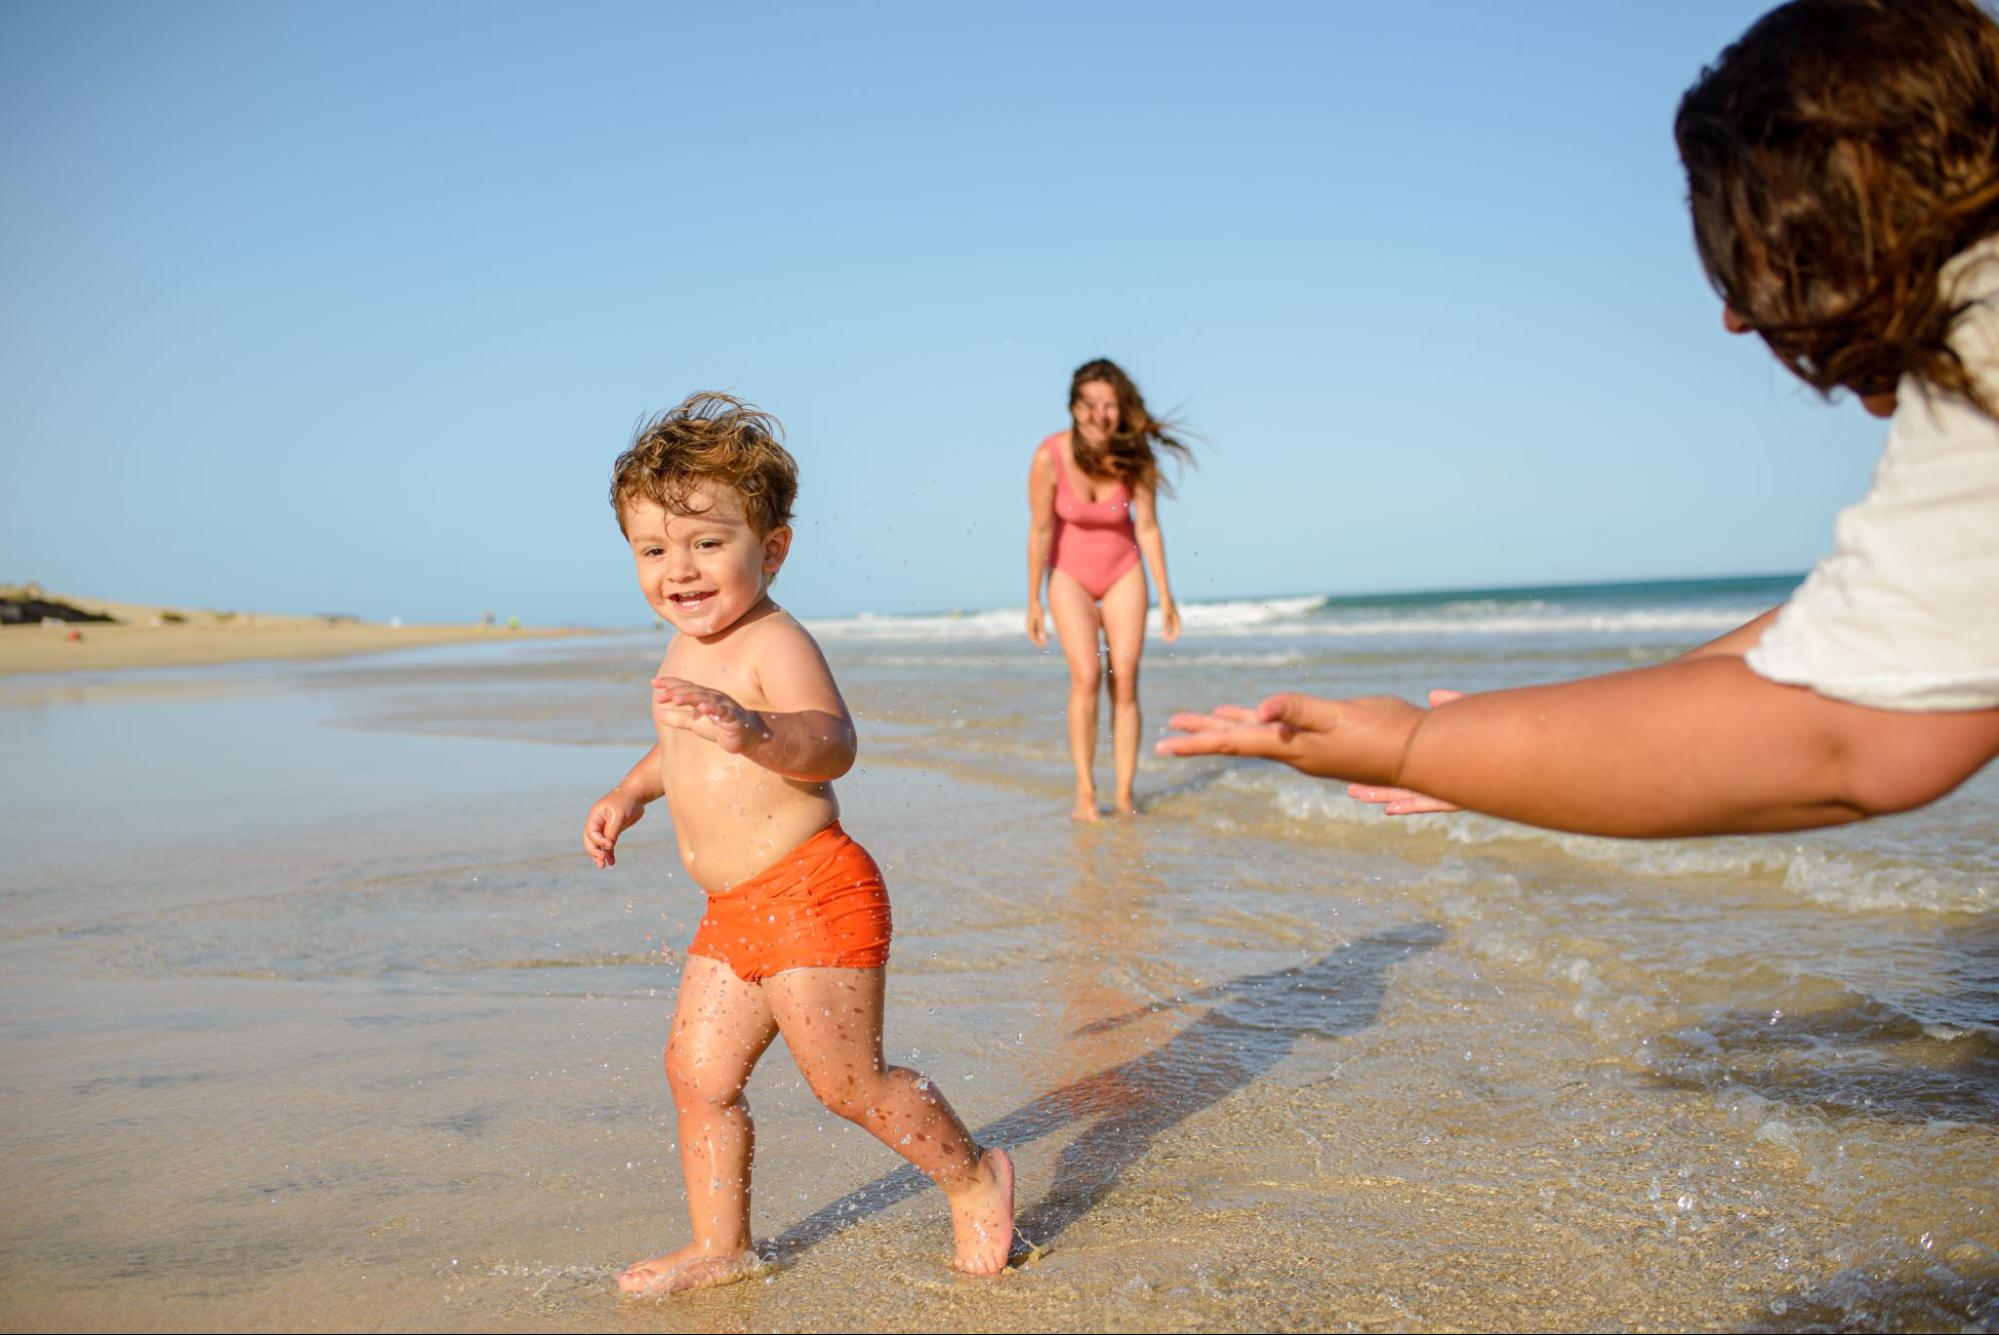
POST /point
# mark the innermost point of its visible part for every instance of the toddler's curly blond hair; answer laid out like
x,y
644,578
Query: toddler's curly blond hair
x,y
710,440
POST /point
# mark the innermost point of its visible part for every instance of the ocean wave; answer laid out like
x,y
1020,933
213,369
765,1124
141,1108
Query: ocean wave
x,y
1245,614
997,623
1851,879
1519,621
1239,616
1276,658
1320,618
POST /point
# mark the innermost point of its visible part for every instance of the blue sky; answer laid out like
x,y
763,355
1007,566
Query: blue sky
x,y
315,308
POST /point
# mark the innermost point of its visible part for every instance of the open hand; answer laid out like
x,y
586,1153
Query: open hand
x,y
1406,801
1169,620
707,713
613,814
1037,625
1361,739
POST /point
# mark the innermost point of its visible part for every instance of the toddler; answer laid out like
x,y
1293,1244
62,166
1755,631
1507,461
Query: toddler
x,y
752,734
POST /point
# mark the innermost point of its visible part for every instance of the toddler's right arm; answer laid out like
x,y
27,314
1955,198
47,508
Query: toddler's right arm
x,y
620,809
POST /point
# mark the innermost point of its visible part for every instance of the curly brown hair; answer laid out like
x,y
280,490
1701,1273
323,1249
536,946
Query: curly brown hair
x,y
1838,155
709,440
1131,454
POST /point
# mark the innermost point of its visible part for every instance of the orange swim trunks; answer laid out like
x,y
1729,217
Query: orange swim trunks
x,y
822,905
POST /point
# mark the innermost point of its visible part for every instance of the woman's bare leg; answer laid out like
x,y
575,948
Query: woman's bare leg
x,y
1076,625
1123,611
832,1022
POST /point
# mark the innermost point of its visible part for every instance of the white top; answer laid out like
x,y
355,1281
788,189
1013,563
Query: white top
x,y
1904,614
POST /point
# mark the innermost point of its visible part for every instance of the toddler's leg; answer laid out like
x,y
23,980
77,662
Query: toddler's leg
x,y
832,1022
720,1027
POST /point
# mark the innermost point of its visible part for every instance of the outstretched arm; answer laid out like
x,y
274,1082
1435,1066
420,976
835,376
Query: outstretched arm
x,y
1701,745
1152,546
806,732
1405,802
1040,541
815,745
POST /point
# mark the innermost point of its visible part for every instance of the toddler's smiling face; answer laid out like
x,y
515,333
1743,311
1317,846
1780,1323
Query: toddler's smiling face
x,y
703,572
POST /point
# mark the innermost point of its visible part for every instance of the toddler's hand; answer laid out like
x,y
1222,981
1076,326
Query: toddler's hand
x,y
1169,621
1361,739
613,814
1037,625
1406,801
706,713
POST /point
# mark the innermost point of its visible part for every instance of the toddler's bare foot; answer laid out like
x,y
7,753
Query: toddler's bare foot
x,y
982,1216
688,1269
1086,808
1127,805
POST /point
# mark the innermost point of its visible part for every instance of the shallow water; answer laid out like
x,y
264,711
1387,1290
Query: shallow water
x,y
317,1017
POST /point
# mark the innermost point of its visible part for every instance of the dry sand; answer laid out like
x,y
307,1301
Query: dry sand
x,y
145,635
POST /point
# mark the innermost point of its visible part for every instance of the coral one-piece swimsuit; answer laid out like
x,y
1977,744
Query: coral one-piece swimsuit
x,y
1095,541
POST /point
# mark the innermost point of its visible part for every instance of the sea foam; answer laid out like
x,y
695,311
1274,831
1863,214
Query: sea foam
x,y
1320,618
1893,874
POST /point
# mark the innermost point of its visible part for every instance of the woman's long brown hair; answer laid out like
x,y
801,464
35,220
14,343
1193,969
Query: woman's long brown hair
x,y
1131,454
1837,157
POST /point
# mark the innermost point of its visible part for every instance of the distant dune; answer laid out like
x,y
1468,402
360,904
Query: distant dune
x,y
48,632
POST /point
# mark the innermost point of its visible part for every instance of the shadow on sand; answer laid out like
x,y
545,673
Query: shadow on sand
x,y
1910,1297
1864,1057
1254,1023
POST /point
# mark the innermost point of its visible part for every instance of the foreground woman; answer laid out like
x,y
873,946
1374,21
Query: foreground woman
x,y
1843,169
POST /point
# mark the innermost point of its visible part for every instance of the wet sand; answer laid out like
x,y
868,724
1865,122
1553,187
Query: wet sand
x,y
315,1017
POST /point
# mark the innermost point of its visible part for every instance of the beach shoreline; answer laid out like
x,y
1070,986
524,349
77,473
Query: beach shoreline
x,y
317,1016
142,635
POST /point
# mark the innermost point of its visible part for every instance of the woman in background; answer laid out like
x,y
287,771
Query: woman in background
x,y
1091,495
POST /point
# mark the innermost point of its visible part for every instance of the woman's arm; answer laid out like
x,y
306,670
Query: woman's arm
x,y
1738,641
1700,745
1040,541
1403,802
1152,547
